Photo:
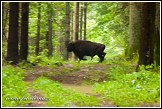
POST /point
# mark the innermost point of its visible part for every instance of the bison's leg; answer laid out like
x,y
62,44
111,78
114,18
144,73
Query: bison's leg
x,y
101,57
100,53
81,57
84,59
103,54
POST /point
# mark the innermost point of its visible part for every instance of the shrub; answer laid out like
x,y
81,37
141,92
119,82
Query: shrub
x,y
132,89
13,87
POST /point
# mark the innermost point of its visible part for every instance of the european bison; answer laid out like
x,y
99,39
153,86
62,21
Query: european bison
x,y
86,48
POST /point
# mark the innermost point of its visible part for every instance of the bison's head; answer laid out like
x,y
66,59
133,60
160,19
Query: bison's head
x,y
70,47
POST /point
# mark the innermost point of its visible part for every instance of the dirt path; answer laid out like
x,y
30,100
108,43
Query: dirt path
x,y
70,74
88,89
37,100
71,77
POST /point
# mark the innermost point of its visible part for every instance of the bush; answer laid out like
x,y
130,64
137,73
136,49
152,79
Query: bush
x,y
13,87
132,89
42,60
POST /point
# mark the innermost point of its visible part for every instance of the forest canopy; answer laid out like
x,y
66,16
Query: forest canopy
x,y
51,25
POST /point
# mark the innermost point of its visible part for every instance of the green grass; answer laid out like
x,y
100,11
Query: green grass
x,y
131,89
61,97
13,87
42,60
122,86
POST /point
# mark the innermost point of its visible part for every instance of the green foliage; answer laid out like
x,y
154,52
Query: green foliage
x,y
110,23
4,52
26,65
13,87
42,60
61,97
57,10
132,89
106,23
119,66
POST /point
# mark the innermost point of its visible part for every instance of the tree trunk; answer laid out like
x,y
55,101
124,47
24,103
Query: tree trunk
x,y
134,28
75,21
75,24
12,48
5,19
3,13
85,19
50,47
24,31
146,50
67,29
81,21
47,35
157,39
38,30
19,22
71,29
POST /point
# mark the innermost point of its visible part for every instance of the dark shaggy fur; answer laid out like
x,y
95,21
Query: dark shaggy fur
x,y
86,48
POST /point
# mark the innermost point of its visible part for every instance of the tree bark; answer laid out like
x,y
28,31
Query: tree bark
x,y
5,20
38,30
50,15
75,21
12,47
75,24
85,19
71,29
146,50
24,31
81,21
3,13
67,30
134,28
157,39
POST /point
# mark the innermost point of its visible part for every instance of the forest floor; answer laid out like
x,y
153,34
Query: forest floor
x,y
78,78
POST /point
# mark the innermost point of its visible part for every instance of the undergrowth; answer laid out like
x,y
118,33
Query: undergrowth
x,y
13,87
62,97
131,89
